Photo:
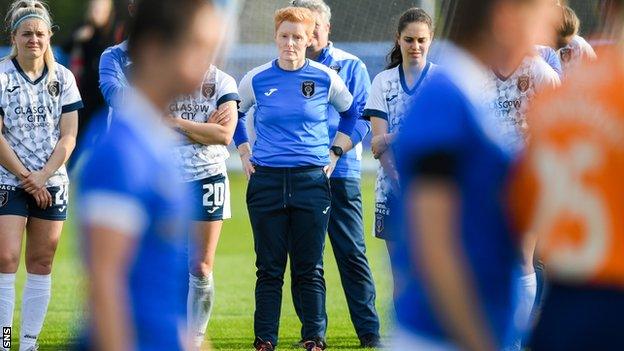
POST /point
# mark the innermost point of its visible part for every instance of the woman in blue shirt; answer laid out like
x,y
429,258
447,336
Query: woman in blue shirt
x,y
288,196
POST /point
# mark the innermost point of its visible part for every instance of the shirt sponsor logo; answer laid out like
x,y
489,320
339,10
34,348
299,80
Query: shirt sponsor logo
x,y
307,88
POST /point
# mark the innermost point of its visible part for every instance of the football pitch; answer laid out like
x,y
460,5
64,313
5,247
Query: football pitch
x,y
231,325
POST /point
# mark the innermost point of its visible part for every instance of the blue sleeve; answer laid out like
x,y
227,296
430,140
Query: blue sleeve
x,y
348,119
361,130
436,123
112,77
359,85
117,162
240,133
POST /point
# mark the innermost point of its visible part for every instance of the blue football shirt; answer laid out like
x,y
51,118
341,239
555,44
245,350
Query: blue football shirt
x,y
448,116
126,185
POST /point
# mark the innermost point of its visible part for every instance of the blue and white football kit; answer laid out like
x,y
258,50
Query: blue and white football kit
x,y
203,166
114,69
139,196
288,196
389,99
31,112
449,118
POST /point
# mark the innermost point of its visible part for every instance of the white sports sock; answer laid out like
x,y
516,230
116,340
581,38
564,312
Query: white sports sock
x,y
7,300
34,307
528,288
199,306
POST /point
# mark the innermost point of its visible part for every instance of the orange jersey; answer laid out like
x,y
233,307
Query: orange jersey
x,y
569,186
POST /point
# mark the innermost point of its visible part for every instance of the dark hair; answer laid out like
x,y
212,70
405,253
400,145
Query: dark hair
x,y
467,19
412,15
162,20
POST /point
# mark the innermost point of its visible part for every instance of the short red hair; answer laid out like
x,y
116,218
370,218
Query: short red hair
x,y
296,15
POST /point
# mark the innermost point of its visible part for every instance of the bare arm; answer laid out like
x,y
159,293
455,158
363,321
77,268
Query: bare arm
x,y
244,150
344,142
212,133
439,256
110,253
64,147
8,158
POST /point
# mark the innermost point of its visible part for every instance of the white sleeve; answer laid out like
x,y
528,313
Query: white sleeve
x,y
376,104
247,94
339,95
586,49
70,96
226,89
117,211
546,76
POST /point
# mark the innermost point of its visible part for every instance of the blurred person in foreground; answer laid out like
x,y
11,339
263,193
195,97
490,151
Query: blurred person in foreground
x,y
568,190
135,217
346,225
456,263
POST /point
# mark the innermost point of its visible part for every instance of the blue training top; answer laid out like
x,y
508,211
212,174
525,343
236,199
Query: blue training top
x,y
447,116
290,115
126,185
114,64
353,72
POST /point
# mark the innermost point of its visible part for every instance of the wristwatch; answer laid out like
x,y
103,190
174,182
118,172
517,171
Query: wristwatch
x,y
337,150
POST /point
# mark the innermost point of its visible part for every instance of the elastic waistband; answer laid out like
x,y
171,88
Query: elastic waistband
x,y
282,170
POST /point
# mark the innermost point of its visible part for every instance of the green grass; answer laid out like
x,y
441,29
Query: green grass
x,y
231,326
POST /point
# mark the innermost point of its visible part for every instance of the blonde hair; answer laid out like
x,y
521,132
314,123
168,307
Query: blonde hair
x,y
21,10
296,15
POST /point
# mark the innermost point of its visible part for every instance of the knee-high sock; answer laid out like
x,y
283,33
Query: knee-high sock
x,y
7,300
34,307
199,306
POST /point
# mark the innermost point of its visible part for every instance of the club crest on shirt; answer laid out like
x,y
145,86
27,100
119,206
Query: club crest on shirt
x,y
524,82
208,89
54,88
4,198
335,68
307,88
566,54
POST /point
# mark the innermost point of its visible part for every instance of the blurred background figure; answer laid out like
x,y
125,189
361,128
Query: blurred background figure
x,y
568,191
516,85
135,218
571,47
456,263
88,41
